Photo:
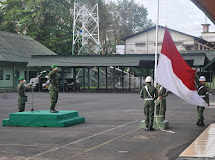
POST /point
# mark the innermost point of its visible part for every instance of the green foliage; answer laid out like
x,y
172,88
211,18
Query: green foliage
x,y
131,17
126,18
47,21
51,21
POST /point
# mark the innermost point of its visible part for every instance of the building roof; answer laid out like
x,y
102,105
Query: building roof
x,y
207,6
89,60
210,54
154,27
19,48
127,60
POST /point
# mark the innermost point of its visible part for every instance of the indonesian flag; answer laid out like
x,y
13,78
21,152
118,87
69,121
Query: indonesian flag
x,y
174,74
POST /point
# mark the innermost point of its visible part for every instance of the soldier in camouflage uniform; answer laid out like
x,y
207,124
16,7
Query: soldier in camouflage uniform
x,y
22,98
149,94
203,92
161,102
53,88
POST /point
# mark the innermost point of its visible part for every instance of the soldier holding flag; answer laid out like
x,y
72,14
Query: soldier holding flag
x,y
149,94
203,92
161,102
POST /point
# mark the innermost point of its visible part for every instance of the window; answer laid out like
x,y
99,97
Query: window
x,y
1,74
140,44
7,77
188,47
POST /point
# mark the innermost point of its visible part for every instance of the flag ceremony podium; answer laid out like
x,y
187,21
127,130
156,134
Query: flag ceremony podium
x,y
158,121
43,118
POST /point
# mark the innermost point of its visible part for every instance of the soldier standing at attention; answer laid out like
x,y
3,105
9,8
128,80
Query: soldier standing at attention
x,y
53,87
161,105
22,98
149,94
203,92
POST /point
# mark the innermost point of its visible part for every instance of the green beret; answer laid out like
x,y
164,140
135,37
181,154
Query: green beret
x,y
21,78
53,66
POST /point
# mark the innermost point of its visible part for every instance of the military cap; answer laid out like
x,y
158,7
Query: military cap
x,y
21,78
54,66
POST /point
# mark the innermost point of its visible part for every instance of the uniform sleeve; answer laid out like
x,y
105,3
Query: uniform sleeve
x,y
18,89
50,74
21,90
207,95
156,93
141,93
165,93
197,82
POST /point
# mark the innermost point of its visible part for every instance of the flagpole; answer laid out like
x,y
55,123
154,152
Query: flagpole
x,y
156,44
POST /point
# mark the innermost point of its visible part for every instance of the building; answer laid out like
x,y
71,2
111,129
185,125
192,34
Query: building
x,y
23,56
144,42
207,35
15,52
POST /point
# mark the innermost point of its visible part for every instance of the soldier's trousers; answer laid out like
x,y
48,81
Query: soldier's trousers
x,y
161,107
200,113
149,112
21,103
53,93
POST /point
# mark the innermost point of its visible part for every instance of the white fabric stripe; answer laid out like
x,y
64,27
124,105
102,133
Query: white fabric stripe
x,y
149,99
167,78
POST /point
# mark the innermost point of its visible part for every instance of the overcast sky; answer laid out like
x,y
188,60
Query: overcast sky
x,y
180,15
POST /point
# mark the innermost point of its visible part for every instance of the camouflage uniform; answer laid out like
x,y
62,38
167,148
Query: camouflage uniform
x,y
53,88
149,104
161,103
203,92
21,97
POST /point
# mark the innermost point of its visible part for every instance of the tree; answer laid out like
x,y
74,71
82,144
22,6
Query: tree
x,y
127,18
5,23
49,22
131,17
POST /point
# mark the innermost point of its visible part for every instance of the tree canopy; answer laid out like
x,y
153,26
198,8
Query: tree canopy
x,y
51,21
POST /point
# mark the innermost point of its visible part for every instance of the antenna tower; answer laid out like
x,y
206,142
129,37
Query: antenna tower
x,y
85,28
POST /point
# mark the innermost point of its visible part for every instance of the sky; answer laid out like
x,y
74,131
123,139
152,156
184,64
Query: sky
x,y
180,15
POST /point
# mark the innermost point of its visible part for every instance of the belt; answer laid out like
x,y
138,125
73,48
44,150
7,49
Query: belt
x,y
202,96
149,99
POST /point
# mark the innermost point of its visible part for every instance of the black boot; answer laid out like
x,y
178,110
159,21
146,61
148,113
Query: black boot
x,y
197,123
151,128
201,123
147,128
53,111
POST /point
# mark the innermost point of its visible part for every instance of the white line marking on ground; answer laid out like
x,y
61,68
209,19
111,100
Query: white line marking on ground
x,y
80,140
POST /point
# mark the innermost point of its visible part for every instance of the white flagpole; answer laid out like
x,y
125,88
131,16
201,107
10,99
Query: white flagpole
x,y
156,43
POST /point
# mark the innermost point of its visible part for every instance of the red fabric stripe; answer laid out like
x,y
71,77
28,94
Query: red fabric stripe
x,y
180,67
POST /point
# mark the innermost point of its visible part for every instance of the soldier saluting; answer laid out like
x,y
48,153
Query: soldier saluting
x,y
149,94
22,98
53,87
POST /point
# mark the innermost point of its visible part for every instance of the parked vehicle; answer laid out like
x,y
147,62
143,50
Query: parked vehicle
x,y
35,83
62,83
72,85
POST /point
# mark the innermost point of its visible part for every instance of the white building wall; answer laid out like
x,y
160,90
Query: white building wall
x,y
145,43
208,36
120,49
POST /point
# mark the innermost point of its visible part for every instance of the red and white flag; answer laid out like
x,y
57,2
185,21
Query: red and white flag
x,y
175,74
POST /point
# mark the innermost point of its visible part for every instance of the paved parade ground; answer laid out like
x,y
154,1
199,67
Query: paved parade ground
x,y
111,130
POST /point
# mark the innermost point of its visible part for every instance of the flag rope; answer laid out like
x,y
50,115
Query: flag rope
x,y
156,120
